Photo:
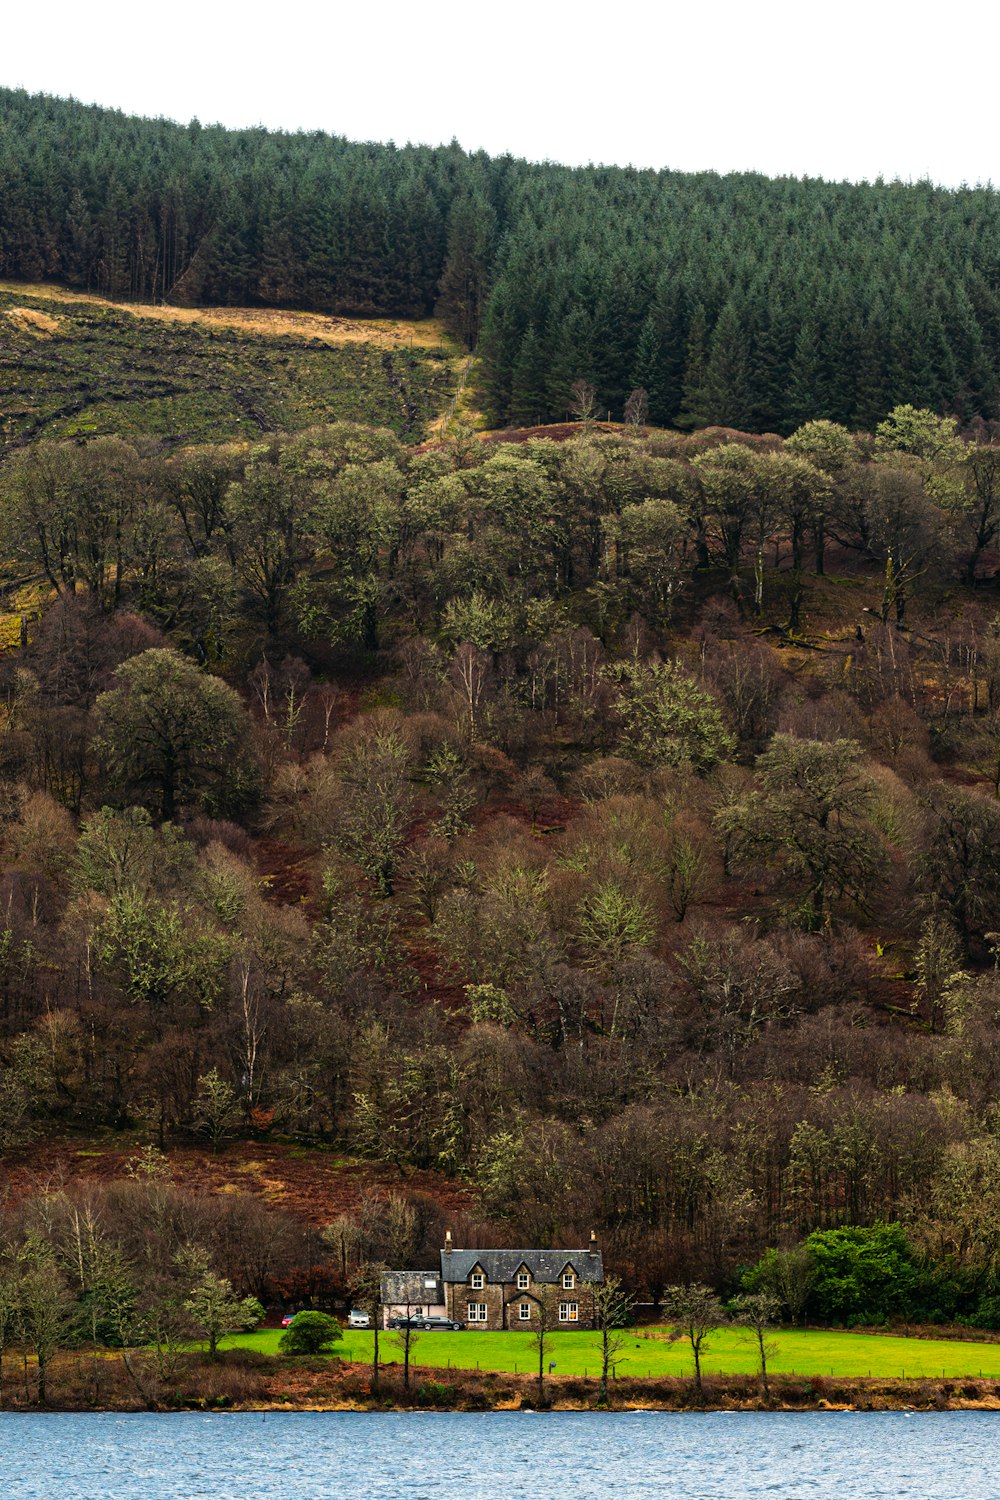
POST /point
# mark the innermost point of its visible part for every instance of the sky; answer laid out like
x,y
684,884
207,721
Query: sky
x,y
847,91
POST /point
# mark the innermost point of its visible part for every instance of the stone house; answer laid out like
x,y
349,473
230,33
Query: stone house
x,y
412,1294
497,1289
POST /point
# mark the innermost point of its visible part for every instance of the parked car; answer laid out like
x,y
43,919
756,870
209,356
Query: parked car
x,y
358,1319
426,1321
288,1319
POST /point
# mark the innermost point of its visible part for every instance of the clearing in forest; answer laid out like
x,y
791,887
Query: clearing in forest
x,y
77,366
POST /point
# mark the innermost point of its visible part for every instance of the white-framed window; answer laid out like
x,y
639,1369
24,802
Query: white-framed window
x,y
569,1281
477,1281
524,1311
569,1312
523,1281
476,1312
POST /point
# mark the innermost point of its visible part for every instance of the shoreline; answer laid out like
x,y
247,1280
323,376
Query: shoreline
x,y
197,1384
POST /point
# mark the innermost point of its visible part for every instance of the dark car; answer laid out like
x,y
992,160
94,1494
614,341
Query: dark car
x,y
426,1321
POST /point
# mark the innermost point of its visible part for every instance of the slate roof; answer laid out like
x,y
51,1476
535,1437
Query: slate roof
x,y
546,1266
402,1287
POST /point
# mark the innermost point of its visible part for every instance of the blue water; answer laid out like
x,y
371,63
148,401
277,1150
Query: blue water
x,y
501,1456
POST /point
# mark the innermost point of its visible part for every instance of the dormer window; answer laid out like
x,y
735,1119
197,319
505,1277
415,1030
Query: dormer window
x,y
569,1281
523,1281
477,1281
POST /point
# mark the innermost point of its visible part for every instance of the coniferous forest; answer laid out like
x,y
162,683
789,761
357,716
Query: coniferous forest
x,y
407,827
738,300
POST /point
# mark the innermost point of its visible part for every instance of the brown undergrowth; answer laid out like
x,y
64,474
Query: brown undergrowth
x,y
243,1380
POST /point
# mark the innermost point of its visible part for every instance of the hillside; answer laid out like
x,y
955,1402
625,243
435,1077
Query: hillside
x,y
499,729
73,366
736,300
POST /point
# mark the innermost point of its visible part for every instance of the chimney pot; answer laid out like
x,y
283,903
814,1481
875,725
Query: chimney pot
x,y
447,1242
593,1240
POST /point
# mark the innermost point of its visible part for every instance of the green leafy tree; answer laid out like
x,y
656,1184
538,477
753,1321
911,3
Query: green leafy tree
x,y
615,924
45,1304
122,850
216,1309
173,735
667,719
216,1107
787,1275
375,802
757,1311
809,822
162,951
696,1312
365,1287
613,1309
731,480
958,865
651,538
10,1303
863,1275
978,508
265,510
310,1333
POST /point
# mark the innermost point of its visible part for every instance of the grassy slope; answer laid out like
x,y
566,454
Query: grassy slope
x,y
799,1351
73,366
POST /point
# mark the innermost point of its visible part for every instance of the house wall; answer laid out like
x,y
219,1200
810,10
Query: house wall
x,y
502,1299
413,1310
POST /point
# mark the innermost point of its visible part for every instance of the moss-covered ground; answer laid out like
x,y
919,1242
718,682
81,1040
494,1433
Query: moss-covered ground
x,y
71,367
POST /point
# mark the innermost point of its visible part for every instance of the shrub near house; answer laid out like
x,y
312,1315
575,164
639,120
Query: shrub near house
x,y
497,1289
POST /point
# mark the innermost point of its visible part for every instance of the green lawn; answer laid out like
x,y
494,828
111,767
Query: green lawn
x,y
803,1352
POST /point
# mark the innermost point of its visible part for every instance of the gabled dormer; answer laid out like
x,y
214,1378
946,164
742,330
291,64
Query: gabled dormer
x,y
522,1277
477,1278
568,1278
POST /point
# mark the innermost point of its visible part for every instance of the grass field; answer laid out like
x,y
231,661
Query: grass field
x,y
72,367
651,1353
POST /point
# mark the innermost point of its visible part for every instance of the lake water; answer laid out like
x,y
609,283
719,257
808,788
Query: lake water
x,y
501,1456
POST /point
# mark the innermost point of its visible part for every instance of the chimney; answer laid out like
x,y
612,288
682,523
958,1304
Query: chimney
x,y
593,1242
447,1242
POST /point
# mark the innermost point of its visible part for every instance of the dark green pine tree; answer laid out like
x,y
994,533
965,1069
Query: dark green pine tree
x,y
725,398
465,277
529,387
499,346
975,392
804,401
770,361
693,399
647,373
873,394
570,358
840,345
618,317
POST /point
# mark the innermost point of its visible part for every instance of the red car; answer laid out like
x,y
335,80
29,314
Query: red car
x,y
287,1319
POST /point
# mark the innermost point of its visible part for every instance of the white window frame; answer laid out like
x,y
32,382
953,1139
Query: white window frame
x,y
477,1280
569,1312
524,1312
523,1280
477,1312
569,1281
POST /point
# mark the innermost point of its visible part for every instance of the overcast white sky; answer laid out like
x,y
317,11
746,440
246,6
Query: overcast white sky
x,y
850,90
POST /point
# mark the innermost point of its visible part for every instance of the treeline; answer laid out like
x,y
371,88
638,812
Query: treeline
x,y
483,811
737,300
147,1268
